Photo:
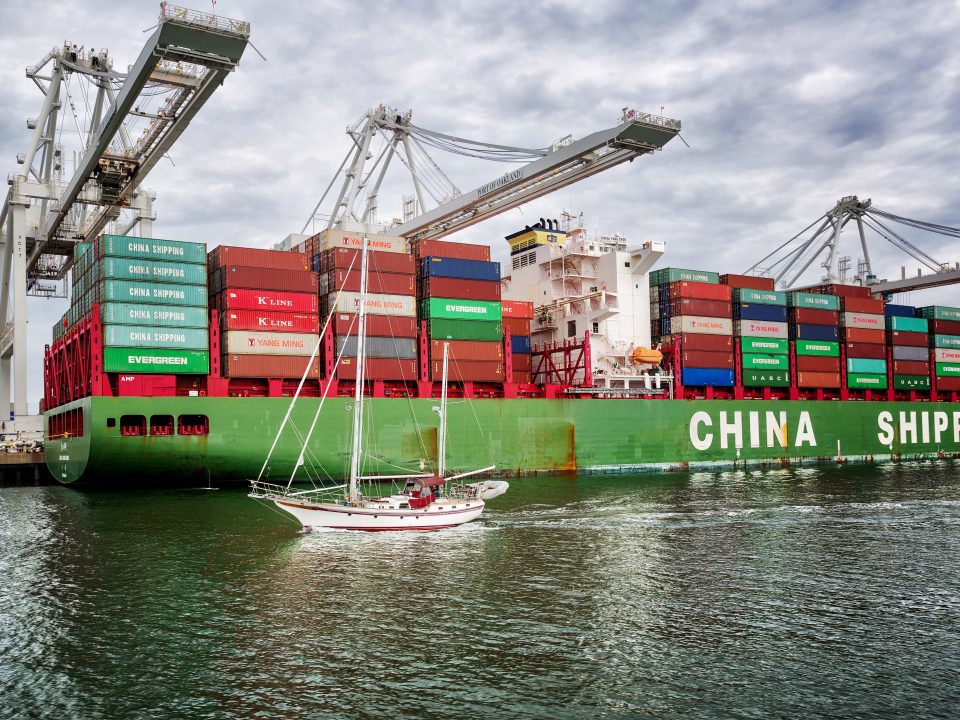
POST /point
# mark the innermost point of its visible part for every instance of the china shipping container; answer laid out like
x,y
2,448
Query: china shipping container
x,y
865,335
172,338
149,292
382,283
270,321
226,255
699,291
379,347
376,304
468,370
463,289
818,379
516,326
376,325
257,278
759,297
274,300
911,352
900,337
268,366
379,369
861,305
811,316
944,341
447,249
469,350
150,249
815,363
866,365
747,281
938,312
153,271
665,276
457,268
377,261
813,301
865,350
706,359
245,342
518,309
136,313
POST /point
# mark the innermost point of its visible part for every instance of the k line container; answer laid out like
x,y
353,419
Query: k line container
x,y
520,344
861,305
156,360
225,255
865,335
761,328
150,249
813,301
151,293
257,278
378,262
706,377
244,342
714,343
766,378
488,290
945,327
379,347
699,291
442,329
866,365
818,379
270,300
143,314
703,308
167,338
891,310
909,352
944,355
399,305
911,367
329,239
821,348
759,297
518,309
154,271
748,282
866,350
768,313
457,268
472,350
379,369
516,326
376,325
270,321
866,381
907,324
899,337
381,283
705,359
911,382
765,346
945,341
811,316
468,371
269,366
665,276
447,249
456,309
701,325
765,362
862,320
818,363
939,312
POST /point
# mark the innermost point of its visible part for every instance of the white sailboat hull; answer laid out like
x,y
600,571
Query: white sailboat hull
x,y
374,518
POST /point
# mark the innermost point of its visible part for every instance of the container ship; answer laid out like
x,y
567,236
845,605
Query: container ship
x,y
174,363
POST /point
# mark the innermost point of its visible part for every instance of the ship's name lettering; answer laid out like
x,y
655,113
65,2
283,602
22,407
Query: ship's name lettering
x,y
771,427
912,426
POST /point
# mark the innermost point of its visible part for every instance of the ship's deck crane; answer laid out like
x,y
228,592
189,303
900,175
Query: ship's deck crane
x,y
547,169
186,59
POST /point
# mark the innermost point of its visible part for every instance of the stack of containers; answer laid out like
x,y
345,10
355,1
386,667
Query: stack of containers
x,y
863,330
152,297
517,316
813,325
696,312
459,294
391,330
267,304
908,342
944,328
760,321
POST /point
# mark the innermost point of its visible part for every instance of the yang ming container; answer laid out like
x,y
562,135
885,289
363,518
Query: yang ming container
x,y
243,342
400,305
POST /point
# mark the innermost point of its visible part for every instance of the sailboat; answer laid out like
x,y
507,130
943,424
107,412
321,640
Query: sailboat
x,y
424,501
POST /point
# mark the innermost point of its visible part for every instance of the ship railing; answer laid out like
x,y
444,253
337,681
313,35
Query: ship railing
x,y
203,19
629,114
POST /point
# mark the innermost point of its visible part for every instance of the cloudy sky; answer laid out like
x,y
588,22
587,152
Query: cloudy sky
x,y
786,107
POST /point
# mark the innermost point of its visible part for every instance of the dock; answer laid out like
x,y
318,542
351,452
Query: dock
x,y
24,469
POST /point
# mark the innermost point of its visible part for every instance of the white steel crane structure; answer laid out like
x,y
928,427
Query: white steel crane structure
x,y
46,212
546,169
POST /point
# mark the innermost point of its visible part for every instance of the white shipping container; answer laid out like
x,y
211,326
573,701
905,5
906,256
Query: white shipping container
x,y
344,238
862,320
950,355
761,328
241,342
702,325
377,304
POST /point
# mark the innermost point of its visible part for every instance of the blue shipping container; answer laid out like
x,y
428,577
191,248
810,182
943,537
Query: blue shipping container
x,y
814,332
899,311
698,377
520,344
460,269
753,311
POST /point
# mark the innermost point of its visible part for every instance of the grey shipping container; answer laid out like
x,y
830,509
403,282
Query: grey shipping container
x,y
380,347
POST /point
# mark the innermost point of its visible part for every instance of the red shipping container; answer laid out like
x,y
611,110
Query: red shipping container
x,y
703,308
948,383
265,300
383,283
256,257
864,335
468,350
379,369
844,291
522,363
818,379
861,305
945,327
377,261
488,290
468,371
268,366
377,325
523,377
256,278
812,316
707,359
812,363
912,339
698,341
269,321
866,350
447,249
517,309
747,281
911,367
516,326
699,291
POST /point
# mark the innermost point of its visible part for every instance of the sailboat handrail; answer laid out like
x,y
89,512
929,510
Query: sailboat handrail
x,y
472,472
395,477
316,490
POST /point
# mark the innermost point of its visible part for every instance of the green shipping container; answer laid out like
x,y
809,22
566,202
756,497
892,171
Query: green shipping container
x,y
152,360
866,381
761,297
766,362
665,276
766,346
945,341
451,309
871,366
152,249
948,370
168,338
911,382
815,301
766,378
153,293
939,312
818,348
141,314
442,329
154,270
907,324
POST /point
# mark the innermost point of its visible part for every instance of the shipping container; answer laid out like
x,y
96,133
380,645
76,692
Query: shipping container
x,y
765,362
765,346
944,341
866,365
269,366
810,316
766,313
861,305
948,383
245,342
891,310
447,249
850,291
381,283
814,332
257,278
489,290
706,377
909,352
766,378
516,326
148,249
270,321
518,309
156,360
226,255
907,324
699,291
521,363
151,293
462,269
865,335
818,348
759,297
696,341
454,309
862,320
665,276
911,382
818,379
379,369
443,329
818,363
945,327
703,308
379,347
471,350
813,301
705,359
153,271
142,314
377,261
866,381
942,355
168,338
939,312
330,239
520,344
468,371
911,367
399,305
523,377
747,282
899,337
701,325
865,350
376,325
760,328
272,300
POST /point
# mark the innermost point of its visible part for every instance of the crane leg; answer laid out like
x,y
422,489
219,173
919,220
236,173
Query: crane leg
x,y
17,219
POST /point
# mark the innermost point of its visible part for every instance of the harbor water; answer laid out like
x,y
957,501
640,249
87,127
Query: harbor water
x,y
800,593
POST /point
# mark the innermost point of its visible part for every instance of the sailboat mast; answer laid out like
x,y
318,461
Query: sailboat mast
x,y
442,441
361,363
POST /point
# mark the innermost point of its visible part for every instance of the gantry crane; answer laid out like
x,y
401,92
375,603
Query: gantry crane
x,y
186,58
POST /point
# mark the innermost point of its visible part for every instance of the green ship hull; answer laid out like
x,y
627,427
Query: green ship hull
x,y
519,436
